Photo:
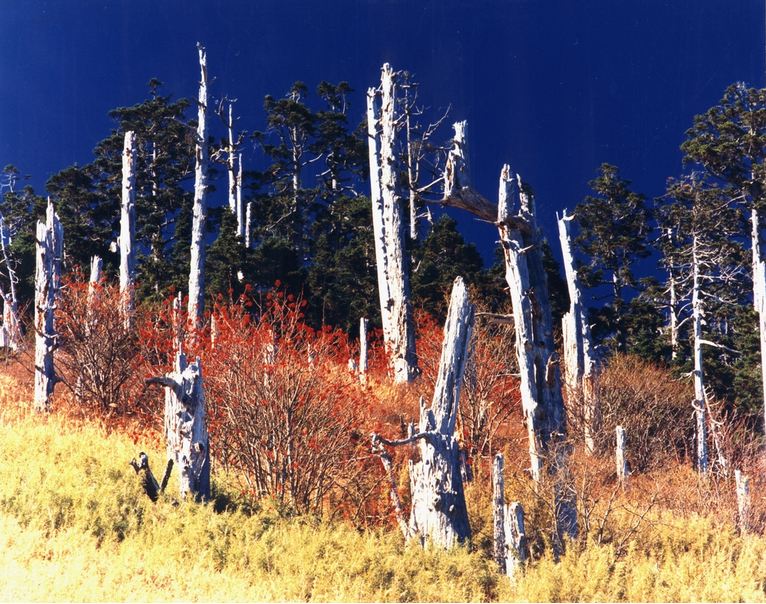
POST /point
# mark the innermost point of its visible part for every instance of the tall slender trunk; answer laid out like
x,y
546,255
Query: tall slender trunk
x,y
411,172
11,329
128,229
579,364
48,253
230,164
759,295
196,304
699,383
249,225
242,221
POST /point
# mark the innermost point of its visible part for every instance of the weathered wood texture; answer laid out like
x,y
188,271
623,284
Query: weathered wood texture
x,y
759,295
196,303
48,254
389,231
621,464
186,436
363,364
509,536
10,330
743,500
128,228
700,406
579,363
438,512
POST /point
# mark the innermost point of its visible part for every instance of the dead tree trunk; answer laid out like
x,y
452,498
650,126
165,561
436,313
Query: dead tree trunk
x,y
510,539
700,410
363,350
242,221
743,501
49,250
619,455
10,332
197,266
759,295
128,229
249,225
230,163
579,364
390,235
186,436
438,510
538,366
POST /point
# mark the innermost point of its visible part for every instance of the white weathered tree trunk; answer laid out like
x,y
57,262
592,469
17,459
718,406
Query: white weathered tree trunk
x,y
579,364
438,511
178,325
401,332
230,164
700,411
48,254
128,229
743,501
188,445
363,365
242,221
510,540
619,455
249,225
759,295
197,266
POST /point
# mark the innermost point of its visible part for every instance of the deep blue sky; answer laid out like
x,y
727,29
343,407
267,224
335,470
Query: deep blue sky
x,y
552,87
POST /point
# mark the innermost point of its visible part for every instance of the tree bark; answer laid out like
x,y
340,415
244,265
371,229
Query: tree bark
x,y
49,251
510,540
11,328
242,221
759,295
743,501
700,411
579,364
498,513
128,229
363,350
249,225
188,445
619,455
197,266
230,164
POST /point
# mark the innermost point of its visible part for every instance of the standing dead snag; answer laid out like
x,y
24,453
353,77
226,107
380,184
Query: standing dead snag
x,y
621,463
188,445
509,535
538,366
579,364
389,232
197,265
49,250
128,228
438,509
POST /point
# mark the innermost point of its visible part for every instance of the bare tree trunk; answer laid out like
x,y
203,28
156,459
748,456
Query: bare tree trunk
x,y
128,229
510,539
579,364
363,350
403,357
188,445
242,221
230,164
438,510
49,250
743,501
197,266
411,179
178,325
759,295
619,455
249,226
700,410
11,329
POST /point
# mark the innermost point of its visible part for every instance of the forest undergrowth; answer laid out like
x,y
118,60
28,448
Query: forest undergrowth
x,y
76,525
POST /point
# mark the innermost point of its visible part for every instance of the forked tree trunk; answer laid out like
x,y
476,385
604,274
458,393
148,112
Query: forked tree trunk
x,y
188,445
509,535
128,229
49,250
438,511
759,296
579,364
538,366
197,266
396,298
700,410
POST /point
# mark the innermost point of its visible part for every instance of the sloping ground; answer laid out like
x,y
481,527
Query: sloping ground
x,y
75,525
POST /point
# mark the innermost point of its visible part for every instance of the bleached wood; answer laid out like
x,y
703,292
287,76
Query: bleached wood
x,y
48,254
498,513
363,365
619,455
186,435
230,161
242,220
402,332
743,501
579,364
177,325
759,295
438,508
196,303
128,228
249,225
700,408
516,539
10,331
